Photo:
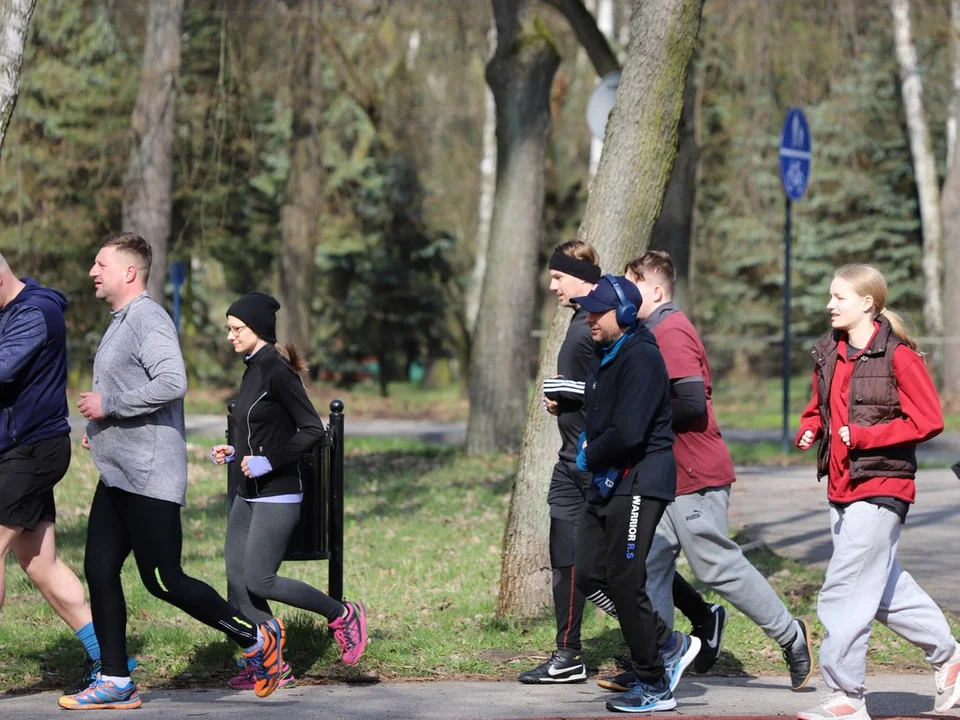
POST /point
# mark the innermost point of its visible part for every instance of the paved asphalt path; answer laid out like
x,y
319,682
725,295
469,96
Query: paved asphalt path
x,y
909,696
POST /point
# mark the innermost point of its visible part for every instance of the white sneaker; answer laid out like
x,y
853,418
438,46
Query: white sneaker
x,y
837,705
948,689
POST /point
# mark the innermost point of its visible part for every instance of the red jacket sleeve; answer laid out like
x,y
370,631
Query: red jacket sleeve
x,y
810,418
919,403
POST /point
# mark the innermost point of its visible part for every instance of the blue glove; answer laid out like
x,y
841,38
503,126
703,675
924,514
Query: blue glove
x,y
606,482
582,460
581,452
258,465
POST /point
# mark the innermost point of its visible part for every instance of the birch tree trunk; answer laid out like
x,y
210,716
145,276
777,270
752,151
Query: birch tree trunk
x,y
953,121
14,21
924,165
623,205
300,214
951,231
148,183
488,189
520,75
605,25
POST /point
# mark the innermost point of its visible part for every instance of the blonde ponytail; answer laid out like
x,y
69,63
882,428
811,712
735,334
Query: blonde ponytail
x,y
899,328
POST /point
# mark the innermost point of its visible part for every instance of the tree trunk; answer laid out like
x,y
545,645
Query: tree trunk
x,y
148,185
643,128
520,75
488,189
951,234
924,165
954,119
674,229
525,575
14,20
300,215
623,205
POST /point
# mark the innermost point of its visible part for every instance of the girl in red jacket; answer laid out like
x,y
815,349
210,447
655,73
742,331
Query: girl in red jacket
x,y
873,402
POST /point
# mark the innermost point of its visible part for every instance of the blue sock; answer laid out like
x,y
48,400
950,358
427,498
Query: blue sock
x,y
88,637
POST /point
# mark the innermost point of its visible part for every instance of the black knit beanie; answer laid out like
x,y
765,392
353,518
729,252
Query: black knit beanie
x,y
259,311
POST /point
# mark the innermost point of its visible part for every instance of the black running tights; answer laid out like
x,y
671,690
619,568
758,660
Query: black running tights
x,y
121,523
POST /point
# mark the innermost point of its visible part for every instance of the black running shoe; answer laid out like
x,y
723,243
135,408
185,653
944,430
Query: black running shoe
x,y
798,656
618,683
711,636
564,666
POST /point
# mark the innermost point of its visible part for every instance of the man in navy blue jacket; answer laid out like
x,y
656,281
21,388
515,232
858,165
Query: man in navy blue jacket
x,y
627,447
35,444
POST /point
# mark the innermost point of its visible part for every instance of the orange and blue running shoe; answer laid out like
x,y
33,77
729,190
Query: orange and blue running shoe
x,y
103,695
247,679
267,661
91,672
350,632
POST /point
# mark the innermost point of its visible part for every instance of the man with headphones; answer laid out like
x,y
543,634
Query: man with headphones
x,y
627,447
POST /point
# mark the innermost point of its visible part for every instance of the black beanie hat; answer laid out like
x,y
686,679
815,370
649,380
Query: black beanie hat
x,y
259,311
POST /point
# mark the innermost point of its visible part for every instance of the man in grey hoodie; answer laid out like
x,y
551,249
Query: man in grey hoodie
x,y
137,437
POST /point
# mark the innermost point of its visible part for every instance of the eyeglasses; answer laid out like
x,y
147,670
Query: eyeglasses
x,y
235,331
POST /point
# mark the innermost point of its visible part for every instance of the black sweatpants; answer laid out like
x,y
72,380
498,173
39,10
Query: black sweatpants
x,y
566,506
687,600
612,545
121,523
568,601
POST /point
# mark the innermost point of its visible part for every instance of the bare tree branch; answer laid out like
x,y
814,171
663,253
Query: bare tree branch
x,y
585,28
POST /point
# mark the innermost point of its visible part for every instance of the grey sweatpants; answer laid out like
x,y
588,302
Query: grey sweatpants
x,y
866,582
257,537
699,524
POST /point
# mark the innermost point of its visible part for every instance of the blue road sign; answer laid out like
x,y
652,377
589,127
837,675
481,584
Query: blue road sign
x,y
178,273
178,276
795,146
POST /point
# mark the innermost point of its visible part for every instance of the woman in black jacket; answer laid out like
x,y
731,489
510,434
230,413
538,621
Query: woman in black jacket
x,y
276,425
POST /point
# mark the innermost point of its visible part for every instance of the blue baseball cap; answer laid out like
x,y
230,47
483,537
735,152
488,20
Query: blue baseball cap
x,y
603,297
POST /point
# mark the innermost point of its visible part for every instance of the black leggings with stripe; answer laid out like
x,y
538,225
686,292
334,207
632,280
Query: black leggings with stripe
x,y
121,523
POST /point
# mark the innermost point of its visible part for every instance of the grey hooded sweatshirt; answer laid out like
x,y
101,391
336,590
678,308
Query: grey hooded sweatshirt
x,y
140,446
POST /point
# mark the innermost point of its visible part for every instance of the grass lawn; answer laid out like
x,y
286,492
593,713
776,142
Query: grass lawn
x,y
423,533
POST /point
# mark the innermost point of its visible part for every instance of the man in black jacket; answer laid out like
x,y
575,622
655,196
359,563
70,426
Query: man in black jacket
x,y
627,447
574,270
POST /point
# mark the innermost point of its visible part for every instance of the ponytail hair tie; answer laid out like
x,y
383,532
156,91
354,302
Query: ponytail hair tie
x,y
882,311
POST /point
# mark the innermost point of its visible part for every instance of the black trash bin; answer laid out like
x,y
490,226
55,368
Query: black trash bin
x,y
319,534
